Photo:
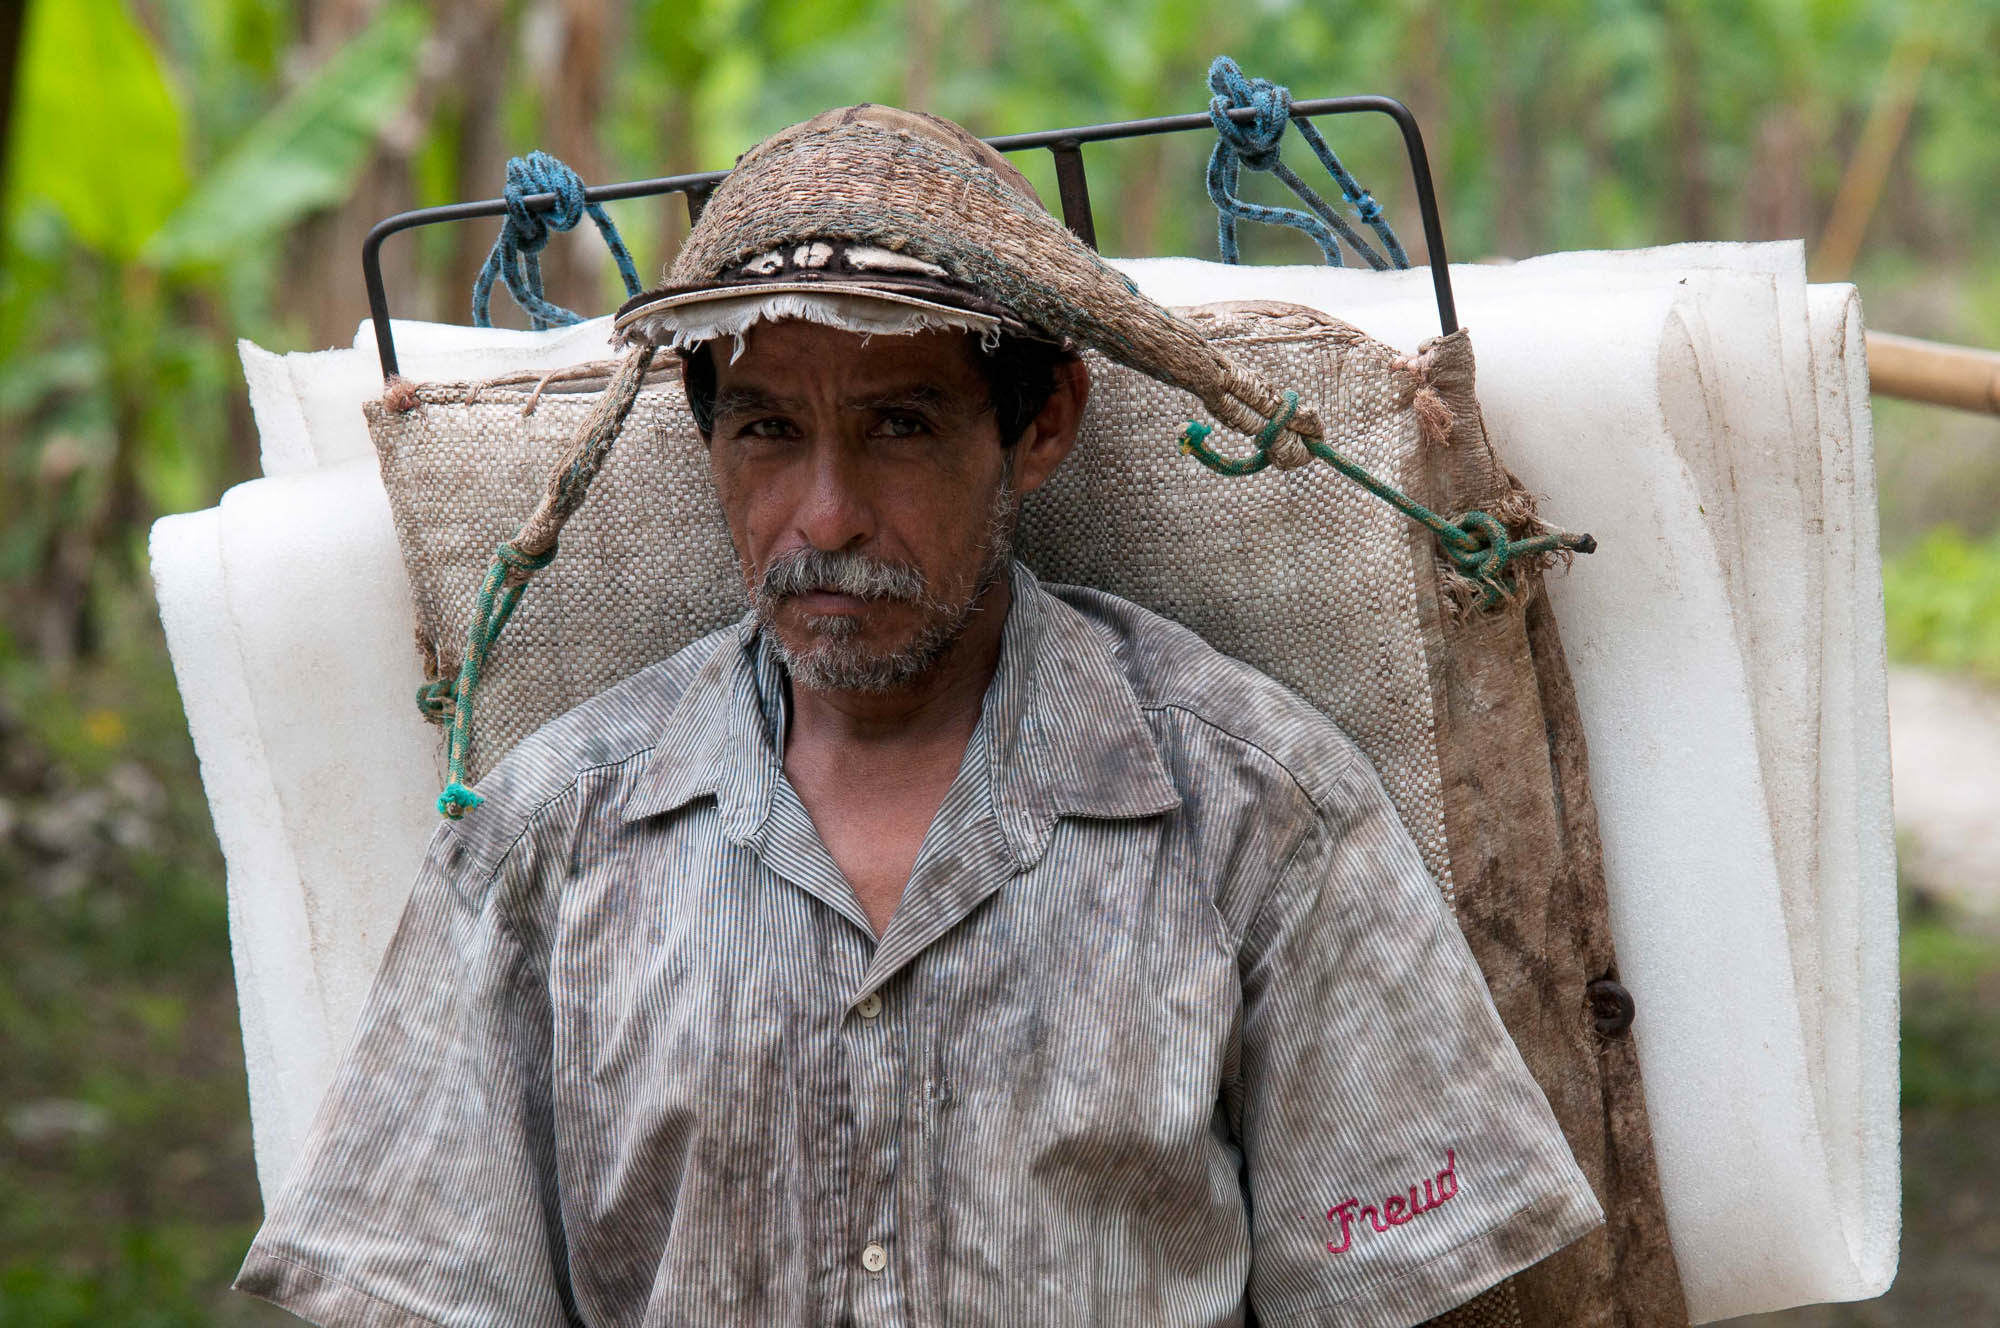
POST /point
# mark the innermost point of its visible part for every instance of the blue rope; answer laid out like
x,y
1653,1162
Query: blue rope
x,y
1256,145
516,255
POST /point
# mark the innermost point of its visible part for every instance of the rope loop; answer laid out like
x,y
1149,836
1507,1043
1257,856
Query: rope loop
x,y
515,561
1194,443
522,565
1477,544
1256,145
516,254
1269,433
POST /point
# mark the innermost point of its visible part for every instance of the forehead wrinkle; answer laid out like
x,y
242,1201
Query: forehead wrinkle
x,y
921,396
744,400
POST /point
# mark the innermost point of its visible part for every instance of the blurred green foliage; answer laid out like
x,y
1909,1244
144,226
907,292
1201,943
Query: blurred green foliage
x,y
1943,599
1951,1011
180,173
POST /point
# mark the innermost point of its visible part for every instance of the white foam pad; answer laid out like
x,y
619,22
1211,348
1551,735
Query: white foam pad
x,y
308,404
288,614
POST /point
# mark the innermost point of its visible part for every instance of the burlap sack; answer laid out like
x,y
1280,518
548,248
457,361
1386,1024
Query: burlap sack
x,y
1467,715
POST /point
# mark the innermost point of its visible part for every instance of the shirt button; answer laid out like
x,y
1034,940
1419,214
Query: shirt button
x,y
868,1007
874,1258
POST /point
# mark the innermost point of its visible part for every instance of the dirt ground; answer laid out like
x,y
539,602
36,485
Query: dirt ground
x,y
1945,742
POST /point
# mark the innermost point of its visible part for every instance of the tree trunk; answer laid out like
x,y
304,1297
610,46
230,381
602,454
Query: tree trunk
x,y
1429,94
1137,225
679,158
478,94
574,266
1689,167
1777,197
12,13
924,28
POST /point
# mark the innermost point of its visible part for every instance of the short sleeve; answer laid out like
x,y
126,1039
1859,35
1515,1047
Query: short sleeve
x,y
1399,1157
426,1192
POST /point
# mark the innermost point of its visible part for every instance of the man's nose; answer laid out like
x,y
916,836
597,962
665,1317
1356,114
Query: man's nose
x,y
835,511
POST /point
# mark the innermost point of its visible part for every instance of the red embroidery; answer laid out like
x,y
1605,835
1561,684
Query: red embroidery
x,y
1396,1210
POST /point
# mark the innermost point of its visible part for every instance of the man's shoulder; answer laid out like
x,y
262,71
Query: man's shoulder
x,y
1179,678
611,735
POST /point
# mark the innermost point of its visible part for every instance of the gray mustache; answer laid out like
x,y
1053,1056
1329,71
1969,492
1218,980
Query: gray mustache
x,y
841,572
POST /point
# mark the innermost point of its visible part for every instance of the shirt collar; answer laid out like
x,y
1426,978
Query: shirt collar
x,y
1064,735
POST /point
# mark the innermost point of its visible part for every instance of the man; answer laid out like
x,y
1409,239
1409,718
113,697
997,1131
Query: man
x,y
936,947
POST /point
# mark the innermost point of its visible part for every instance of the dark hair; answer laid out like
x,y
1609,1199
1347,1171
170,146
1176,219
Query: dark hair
x,y
1020,375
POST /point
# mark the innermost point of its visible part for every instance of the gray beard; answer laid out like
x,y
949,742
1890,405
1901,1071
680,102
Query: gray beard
x,y
837,661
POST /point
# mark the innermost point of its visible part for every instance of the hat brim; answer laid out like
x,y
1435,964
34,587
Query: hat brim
x,y
679,316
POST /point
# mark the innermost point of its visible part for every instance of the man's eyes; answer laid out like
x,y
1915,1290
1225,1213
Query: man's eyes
x,y
892,424
771,427
902,424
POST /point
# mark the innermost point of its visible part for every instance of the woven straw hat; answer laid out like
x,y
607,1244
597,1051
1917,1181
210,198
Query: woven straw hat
x,y
883,220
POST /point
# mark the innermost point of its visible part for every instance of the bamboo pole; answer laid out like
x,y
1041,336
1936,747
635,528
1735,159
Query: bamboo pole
x,y
1963,377
1868,171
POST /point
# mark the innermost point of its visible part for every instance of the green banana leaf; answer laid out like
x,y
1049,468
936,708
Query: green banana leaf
x,y
98,133
302,156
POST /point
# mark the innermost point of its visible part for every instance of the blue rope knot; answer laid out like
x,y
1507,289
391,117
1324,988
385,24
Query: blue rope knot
x,y
539,173
516,254
1255,145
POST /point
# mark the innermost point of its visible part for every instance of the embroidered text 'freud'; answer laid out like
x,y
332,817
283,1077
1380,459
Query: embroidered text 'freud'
x,y
1396,1209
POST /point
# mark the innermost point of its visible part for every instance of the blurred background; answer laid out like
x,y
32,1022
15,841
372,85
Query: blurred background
x,y
182,173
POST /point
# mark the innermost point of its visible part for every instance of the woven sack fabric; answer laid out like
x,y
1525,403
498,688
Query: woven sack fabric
x,y
645,566
1467,717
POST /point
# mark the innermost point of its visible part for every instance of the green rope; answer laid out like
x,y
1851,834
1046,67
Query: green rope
x,y
448,701
498,594
1477,543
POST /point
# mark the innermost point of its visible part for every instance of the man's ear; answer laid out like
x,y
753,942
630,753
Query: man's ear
x,y
1052,433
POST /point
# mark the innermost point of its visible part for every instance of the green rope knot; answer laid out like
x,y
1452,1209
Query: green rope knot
x,y
1194,442
521,566
1478,544
1482,556
1276,425
457,800
1487,553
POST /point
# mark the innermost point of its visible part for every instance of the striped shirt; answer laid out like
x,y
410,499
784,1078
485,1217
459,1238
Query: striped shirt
x,y
1170,1027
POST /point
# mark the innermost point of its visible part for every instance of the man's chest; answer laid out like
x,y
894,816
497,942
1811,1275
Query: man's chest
x,y
737,1065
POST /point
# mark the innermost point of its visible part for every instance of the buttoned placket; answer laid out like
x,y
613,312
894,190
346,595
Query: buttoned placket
x,y
875,1046
876,1225
860,1222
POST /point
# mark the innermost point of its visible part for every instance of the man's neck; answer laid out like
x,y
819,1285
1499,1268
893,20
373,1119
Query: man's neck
x,y
873,770
941,706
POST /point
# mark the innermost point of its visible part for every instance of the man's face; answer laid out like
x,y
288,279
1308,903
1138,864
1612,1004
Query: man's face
x,y
867,493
